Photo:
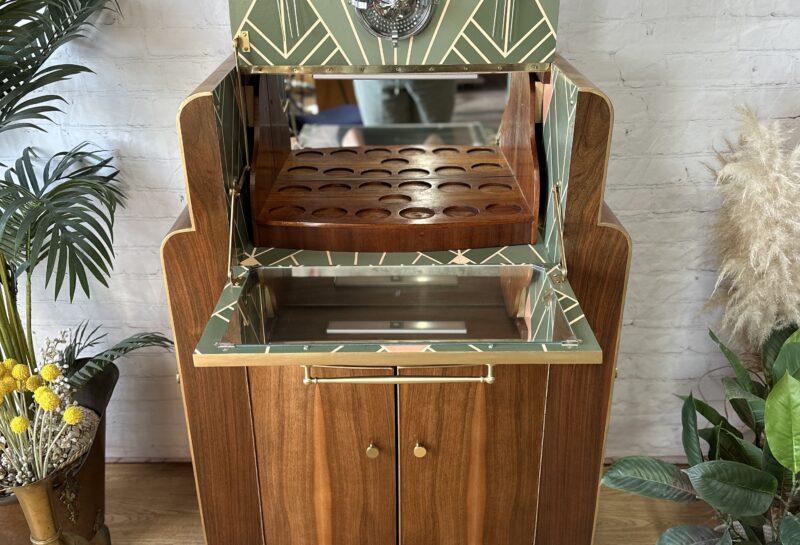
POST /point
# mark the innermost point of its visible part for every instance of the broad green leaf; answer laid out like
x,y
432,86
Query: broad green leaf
x,y
788,360
774,468
739,450
748,406
649,477
790,530
691,441
689,535
783,422
771,348
733,487
710,413
742,375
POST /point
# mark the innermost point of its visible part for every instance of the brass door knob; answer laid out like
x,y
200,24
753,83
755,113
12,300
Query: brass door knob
x,y
372,451
420,451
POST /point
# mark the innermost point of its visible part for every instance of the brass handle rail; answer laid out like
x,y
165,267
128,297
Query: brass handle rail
x,y
309,380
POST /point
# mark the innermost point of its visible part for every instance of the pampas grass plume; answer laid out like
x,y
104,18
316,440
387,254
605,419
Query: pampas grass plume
x,y
757,236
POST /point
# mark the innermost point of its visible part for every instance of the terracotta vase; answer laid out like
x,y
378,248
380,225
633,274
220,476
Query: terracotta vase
x,y
36,501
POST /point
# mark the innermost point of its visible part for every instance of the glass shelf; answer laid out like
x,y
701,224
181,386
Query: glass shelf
x,y
396,315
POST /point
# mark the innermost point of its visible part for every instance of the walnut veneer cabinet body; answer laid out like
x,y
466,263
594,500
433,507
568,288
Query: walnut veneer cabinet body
x,y
315,417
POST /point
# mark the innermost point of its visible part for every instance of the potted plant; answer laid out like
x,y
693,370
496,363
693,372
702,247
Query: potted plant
x,y
750,475
752,485
56,216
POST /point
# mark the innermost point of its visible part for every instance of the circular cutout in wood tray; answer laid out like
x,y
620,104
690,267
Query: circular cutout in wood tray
x,y
486,167
446,151
395,199
417,213
334,187
373,213
375,185
377,151
496,188
339,171
295,189
286,212
312,153
344,151
481,151
329,213
449,187
460,211
376,173
414,172
303,169
450,171
395,161
415,186
505,209
412,151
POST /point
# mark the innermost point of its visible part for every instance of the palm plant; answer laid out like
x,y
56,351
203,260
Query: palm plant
x,y
59,212
30,32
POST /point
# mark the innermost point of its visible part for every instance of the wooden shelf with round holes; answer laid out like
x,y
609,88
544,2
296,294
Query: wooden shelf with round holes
x,y
394,199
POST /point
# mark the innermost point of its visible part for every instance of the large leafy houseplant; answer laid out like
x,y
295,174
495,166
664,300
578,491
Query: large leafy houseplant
x,y
55,215
752,484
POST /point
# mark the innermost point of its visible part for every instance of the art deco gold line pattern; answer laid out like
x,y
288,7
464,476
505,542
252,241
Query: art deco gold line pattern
x,y
559,129
230,131
327,33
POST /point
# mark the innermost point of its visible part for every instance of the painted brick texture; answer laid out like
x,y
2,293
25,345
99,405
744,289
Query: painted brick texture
x,y
675,71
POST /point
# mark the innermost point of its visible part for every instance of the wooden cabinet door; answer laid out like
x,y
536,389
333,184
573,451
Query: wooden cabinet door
x,y
478,482
318,486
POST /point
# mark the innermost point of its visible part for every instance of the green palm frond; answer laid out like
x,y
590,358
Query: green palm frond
x,y
30,32
79,340
62,215
98,363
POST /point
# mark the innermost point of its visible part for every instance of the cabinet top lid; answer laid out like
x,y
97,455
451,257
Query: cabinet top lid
x,y
394,36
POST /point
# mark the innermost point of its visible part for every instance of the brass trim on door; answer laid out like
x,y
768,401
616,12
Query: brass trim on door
x,y
309,380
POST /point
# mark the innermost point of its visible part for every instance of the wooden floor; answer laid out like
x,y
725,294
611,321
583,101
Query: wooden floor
x,y
154,504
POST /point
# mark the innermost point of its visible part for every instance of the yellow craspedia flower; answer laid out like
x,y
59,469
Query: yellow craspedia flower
x,y
20,425
50,372
47,400
7,385
20,372
8,364
34,383
73,415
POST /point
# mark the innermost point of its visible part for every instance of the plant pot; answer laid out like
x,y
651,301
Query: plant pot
x,y
36,501
83,512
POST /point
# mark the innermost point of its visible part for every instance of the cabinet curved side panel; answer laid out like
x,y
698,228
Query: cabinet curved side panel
x,y
216,400
578,398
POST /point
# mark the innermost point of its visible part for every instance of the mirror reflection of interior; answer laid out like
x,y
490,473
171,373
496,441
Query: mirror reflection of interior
x,y
398,304
423,162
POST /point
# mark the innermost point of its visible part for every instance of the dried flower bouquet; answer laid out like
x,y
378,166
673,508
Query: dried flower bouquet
x,y
42,430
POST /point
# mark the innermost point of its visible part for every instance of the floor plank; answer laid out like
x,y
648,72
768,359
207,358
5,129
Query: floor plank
x,y
155,504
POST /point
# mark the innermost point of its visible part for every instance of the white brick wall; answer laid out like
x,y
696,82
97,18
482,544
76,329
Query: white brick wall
x,y
675,71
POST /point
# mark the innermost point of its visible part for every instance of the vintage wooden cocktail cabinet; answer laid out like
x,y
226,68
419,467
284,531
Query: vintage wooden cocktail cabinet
x,y
411,344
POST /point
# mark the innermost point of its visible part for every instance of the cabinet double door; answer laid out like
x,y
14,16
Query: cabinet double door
x,y
411,464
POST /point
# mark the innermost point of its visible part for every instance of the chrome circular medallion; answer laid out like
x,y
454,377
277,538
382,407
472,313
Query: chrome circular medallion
x,y
394,19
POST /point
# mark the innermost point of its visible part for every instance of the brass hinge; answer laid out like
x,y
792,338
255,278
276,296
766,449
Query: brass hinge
x,y
242,41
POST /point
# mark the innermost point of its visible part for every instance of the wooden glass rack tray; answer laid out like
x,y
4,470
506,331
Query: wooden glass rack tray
x,y
395,199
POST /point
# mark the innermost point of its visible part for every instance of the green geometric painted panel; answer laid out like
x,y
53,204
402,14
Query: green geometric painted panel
x,y
329,33
231,134
558,133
